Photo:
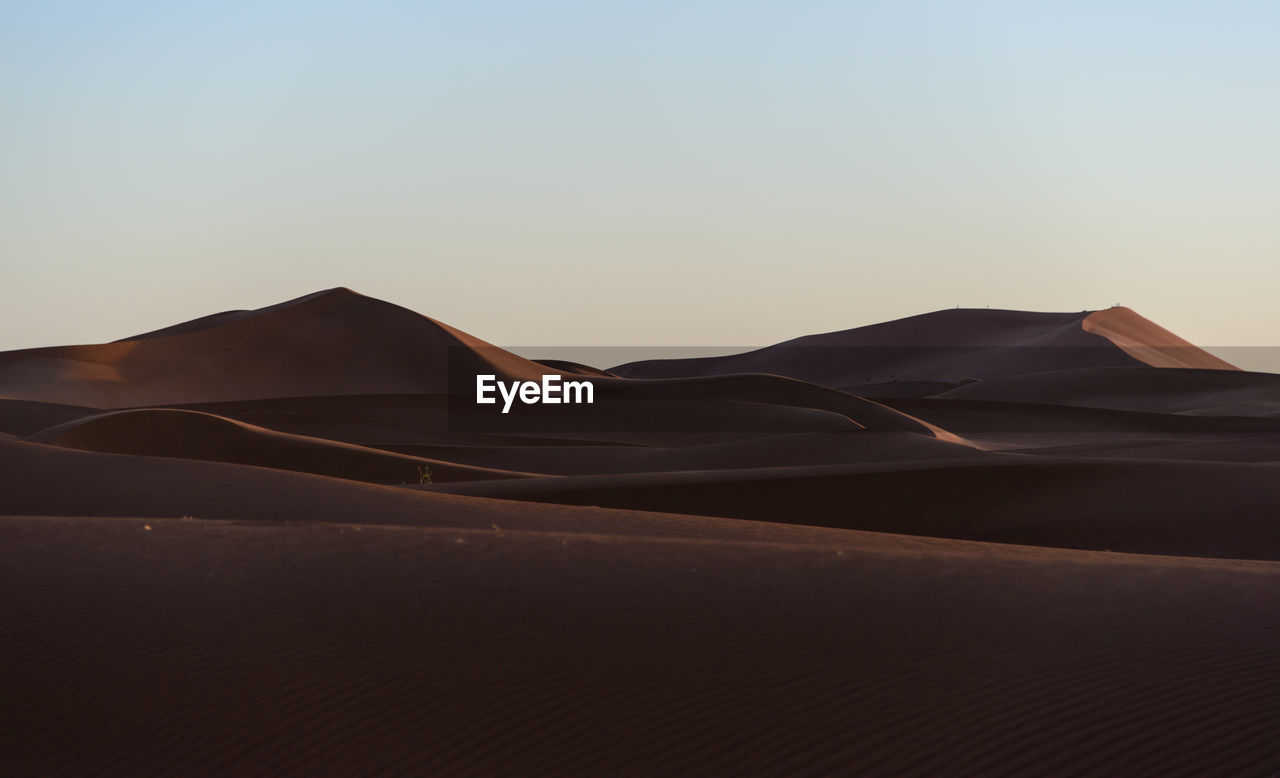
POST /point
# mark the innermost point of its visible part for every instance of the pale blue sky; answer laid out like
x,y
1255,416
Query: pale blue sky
x,y
684,173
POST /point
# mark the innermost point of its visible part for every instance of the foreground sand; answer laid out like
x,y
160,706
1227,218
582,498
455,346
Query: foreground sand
x,y
228,648
218,560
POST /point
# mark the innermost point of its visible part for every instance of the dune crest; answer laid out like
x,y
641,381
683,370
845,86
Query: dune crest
x,y
1148,342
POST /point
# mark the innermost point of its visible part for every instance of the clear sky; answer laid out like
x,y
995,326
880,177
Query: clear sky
x,y
683,173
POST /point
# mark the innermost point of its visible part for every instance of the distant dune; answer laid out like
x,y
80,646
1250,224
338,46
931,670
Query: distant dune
x,y
329,343
287,541
953,346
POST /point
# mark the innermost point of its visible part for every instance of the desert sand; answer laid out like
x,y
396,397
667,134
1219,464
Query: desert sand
x,y
970,542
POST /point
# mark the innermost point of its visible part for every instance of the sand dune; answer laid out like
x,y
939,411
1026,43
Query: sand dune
x,y
1198,391
972,542
1209,509
667,412
23,417
793,449
1243,448
334,342
984,423
53,481
952,346
320,649
1148,342
166,432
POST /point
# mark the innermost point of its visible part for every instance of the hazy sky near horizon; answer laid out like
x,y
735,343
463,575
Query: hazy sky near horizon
x,y
592,173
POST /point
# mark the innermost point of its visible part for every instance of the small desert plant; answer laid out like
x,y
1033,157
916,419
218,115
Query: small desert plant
x,y
424,474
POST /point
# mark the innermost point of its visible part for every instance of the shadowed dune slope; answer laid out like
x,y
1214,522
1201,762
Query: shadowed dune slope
x,y
334,342
1170,390
51,481
754,390
314,649
952,346
23,417
982,417
1210,509
675,412
1243,448
811,448
166,432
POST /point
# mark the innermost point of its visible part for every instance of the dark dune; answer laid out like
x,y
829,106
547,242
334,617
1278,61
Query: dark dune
x,y
759,451
993,416
166,432
675,412
971,542
1186,391
905,388
953,346
329,343
1242,448
214,648
23,417
1209,509
42,478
